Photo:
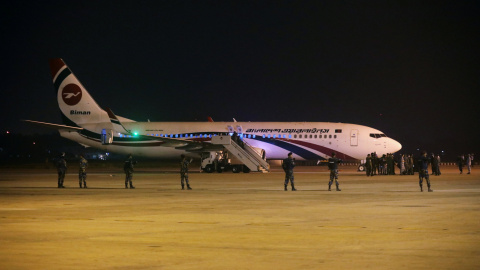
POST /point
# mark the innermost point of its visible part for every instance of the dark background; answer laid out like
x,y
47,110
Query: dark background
x,y
407,68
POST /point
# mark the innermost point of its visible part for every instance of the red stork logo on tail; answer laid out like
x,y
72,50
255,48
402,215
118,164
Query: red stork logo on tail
x,y
71,94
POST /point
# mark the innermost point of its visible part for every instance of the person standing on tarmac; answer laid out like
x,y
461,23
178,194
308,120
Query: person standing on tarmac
x,y
288,165
368,165
333,167
82,173
469,163
460,163
437,172
128,168
184,171
433,162
61,165
423,171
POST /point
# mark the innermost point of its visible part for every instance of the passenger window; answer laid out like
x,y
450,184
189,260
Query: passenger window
x,y
334,136
329,136
295,136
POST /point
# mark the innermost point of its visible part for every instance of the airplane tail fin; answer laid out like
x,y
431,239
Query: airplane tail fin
x,y
77,106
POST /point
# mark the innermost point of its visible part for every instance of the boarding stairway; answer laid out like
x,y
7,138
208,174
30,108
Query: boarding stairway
x,y
246,154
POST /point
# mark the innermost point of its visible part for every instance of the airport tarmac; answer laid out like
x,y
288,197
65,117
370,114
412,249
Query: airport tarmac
x,y
239,221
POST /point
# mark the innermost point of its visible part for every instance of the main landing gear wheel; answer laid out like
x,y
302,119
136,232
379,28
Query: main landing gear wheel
x,y
361,168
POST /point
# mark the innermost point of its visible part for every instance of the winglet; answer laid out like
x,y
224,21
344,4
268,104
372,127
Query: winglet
x,y
114,119
210,119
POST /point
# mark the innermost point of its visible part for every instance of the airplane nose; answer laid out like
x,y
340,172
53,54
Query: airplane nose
x,y
394,146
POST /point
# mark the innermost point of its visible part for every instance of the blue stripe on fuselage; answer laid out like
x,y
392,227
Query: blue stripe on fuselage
x,y
305,154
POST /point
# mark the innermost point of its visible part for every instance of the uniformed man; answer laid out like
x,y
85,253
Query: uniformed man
x,y
82,173
368,165
128,168
423,171
184,171
461,163
333,167
288,165
61,165
402,164
433,162
435,165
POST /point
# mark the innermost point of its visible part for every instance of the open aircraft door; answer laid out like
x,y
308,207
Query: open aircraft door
x,y
107,136
354,137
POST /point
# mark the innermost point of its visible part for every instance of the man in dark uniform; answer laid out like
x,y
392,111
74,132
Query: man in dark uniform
x,y
82,173
333,167
288,165
61,165
184,171
390,164
128,168
375,163
412,165
423,171
433,162
461,163
368,165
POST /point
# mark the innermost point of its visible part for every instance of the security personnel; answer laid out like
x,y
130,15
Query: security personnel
x,y
333,167
433,162
82,173
423,171
368,165
61,165
288,165
128,168
184,171
461,163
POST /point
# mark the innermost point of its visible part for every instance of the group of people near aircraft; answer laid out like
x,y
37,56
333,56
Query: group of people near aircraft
x,y
373,164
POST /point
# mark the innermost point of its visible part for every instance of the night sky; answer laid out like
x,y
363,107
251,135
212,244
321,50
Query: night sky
x,y
408,68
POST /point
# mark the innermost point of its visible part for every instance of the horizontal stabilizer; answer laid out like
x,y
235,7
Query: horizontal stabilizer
x,y
54,126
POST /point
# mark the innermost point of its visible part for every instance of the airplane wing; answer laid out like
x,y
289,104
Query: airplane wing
x,y
187,144
54,126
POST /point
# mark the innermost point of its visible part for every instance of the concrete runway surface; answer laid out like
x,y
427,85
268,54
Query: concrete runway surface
x,y
239,221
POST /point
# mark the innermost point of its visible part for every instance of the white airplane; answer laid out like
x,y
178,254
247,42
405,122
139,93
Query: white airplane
x,y
88,124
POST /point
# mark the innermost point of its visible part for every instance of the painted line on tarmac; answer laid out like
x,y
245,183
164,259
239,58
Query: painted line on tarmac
x,y
458,190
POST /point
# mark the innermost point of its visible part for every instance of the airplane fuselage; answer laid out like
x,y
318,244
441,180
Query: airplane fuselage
x,y
307,140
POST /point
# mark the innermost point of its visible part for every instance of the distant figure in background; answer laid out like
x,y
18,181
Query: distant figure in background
x,y
333,167
82,173
423,171
128,169
468,162
288,165
434,162
61,165
438,165
184,171
460,163
402,164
